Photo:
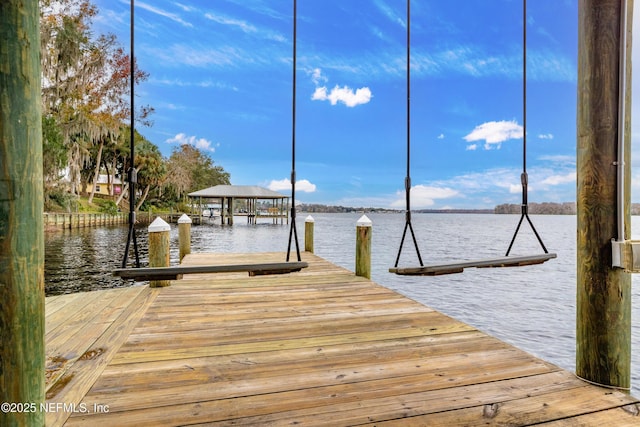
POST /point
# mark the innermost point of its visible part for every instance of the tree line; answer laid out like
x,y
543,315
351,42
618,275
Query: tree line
x,y
86,118
545,208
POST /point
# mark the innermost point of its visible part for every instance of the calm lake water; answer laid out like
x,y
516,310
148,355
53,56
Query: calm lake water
x,y
531,307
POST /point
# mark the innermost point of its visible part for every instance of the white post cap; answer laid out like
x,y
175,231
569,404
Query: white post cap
x,y
364,221
184,219
309,219
158,225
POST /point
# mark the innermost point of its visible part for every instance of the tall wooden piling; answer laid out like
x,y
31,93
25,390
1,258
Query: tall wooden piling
x,y
603,332
184,235
22,378
159,241
309,224
363,247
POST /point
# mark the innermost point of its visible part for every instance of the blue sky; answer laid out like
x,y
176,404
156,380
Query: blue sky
x,y
221,79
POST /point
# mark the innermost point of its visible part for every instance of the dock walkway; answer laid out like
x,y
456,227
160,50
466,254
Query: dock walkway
x,y
317,347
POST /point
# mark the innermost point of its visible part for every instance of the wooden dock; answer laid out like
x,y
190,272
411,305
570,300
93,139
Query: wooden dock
x,y
317,347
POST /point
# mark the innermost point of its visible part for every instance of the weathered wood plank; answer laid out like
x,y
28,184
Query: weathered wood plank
x,y
70,343
82,374
266,309
189,321
133,355
70,309
235,281
195,370
408,405
622,416
346,404
458,267
94,302
556,406
249,298
309,348
383,375
317,267
172,273
265,331
57,302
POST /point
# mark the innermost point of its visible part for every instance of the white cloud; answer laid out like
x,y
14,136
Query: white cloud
x,y
243,25
517,189
171,106
546,136
201,56
560,179
495,133
441,136
185,7
188,83
164,13
199,143
390,13
246,27
472,147
487,188
344,94
561,159
285,184
424,196
317,77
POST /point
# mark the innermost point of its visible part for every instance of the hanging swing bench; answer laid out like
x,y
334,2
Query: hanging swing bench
x,y
459,266
176,272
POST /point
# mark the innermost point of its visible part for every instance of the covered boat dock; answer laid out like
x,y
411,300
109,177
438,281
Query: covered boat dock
x,y
253,200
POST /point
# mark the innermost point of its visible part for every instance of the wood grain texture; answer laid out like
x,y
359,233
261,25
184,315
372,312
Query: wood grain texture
x,y
603,292
309,227
363,251
21,206
318,347
184,239
159,251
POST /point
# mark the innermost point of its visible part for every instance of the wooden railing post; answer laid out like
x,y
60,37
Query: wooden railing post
x,y
603,329
184,235
159,248
363,247
309,224
22,352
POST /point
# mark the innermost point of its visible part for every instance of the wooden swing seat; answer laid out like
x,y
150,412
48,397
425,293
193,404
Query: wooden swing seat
x,y
458,267
173,273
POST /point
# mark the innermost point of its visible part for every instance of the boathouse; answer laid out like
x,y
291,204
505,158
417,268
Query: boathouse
x,y
252,200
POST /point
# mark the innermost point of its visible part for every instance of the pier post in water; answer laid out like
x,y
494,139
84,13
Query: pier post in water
x,y
159,248
603,329
363,247
184,235
22,353
309,223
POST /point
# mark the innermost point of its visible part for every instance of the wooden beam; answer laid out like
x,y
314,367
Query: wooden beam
x,y
458,267
21,220
603,330
172,273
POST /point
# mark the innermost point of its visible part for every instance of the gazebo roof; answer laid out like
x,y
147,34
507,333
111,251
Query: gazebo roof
x,y
238,191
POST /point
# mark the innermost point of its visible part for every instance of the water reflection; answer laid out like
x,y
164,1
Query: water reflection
x,y
83,259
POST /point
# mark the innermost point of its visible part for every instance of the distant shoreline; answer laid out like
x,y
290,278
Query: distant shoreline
x,y
546,208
